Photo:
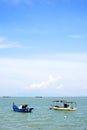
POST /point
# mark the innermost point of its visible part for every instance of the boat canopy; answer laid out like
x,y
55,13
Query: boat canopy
x,y
64,105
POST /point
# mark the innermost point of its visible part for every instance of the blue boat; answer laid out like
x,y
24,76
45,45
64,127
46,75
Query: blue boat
x,y
22,108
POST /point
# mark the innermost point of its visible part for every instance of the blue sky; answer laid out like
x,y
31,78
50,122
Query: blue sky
x,y
43,47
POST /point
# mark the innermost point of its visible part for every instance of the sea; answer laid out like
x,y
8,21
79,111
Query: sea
x,y
42,116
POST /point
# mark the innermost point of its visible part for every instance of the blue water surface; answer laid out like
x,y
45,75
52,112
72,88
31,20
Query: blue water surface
x,y
42,117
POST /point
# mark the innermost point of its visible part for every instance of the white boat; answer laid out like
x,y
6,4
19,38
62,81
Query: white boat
x,y
64,105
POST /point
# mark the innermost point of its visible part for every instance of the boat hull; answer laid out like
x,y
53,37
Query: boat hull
x,y
64,109
26,110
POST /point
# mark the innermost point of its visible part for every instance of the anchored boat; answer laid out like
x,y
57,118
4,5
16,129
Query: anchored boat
x,y
22,108
64,105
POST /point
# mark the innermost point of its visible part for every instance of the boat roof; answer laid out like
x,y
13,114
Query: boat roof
x,y
64,101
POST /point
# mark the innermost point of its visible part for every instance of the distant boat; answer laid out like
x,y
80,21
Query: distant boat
x,y
38,97
6,96
64,105
22,108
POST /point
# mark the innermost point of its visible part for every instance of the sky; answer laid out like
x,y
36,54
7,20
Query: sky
x,y
43,48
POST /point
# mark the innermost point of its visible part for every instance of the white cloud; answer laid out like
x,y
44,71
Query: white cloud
x,y
38,85
85,87
60,86
2,39
45,75
75,36
5,43
8,45
45,84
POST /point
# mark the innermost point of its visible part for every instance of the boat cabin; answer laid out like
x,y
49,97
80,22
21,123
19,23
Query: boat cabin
x,y
64,105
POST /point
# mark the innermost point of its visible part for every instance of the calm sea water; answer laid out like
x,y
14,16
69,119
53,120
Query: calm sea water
x,y
42,118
